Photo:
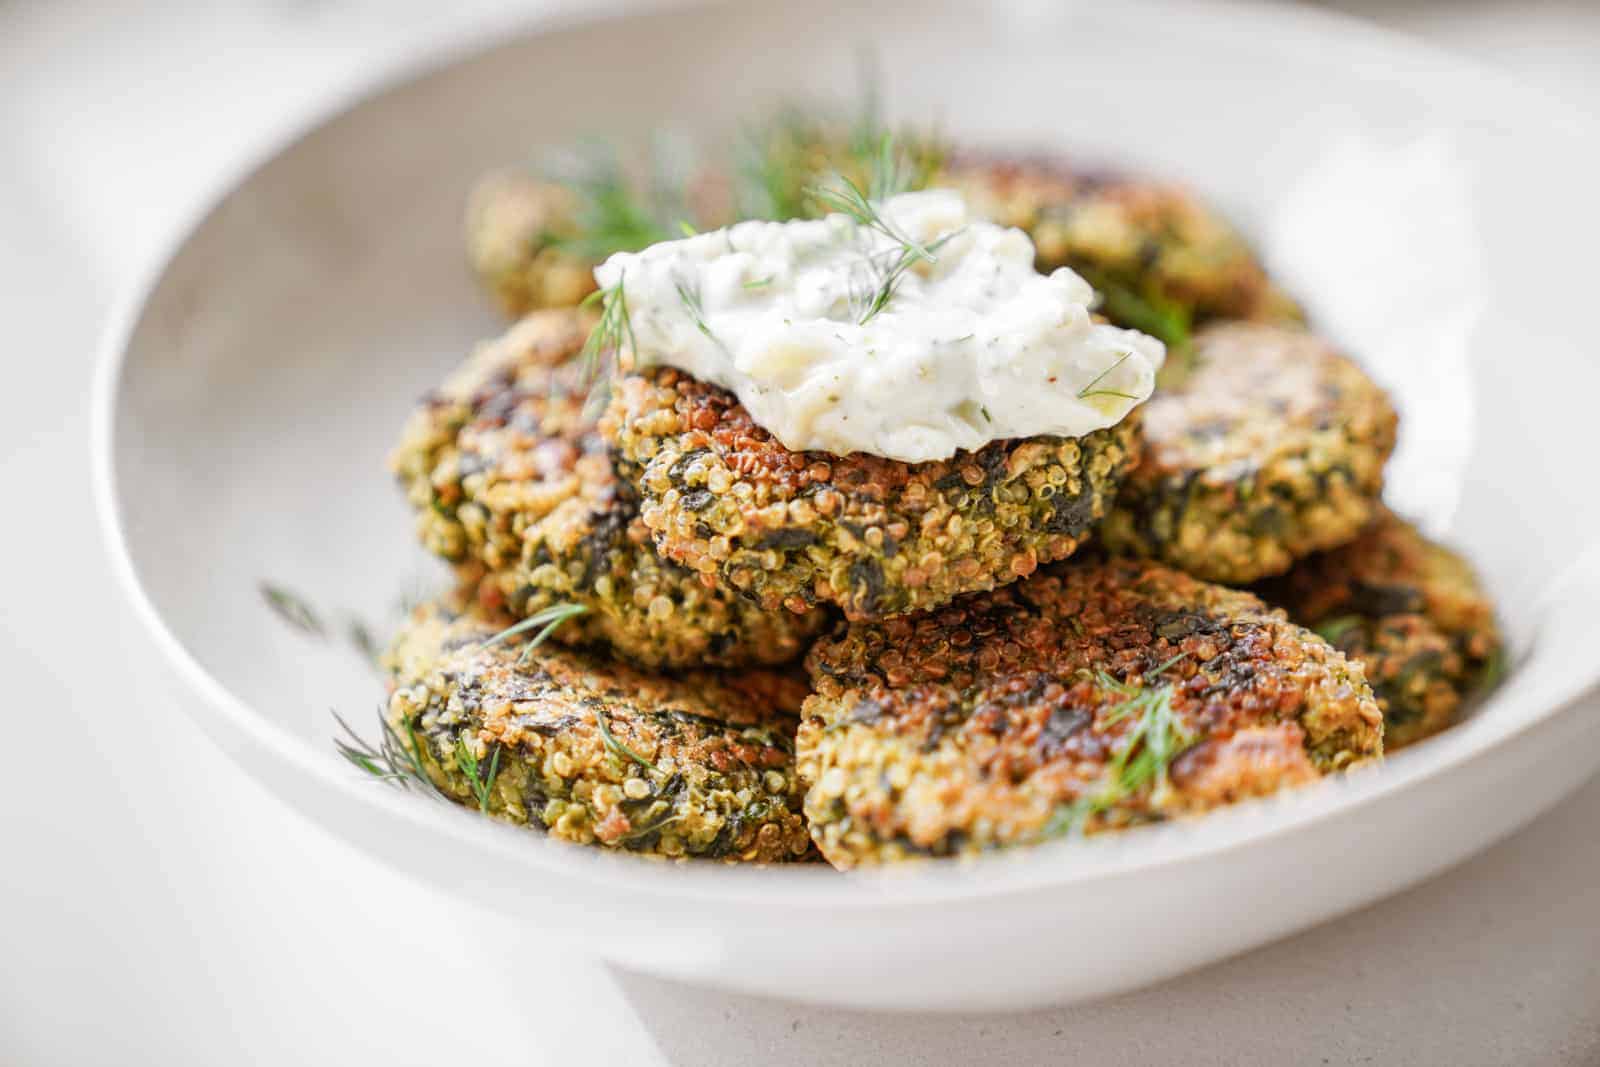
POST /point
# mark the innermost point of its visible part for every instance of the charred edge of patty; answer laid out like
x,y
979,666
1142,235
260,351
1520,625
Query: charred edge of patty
x,y
1272,449
697,764
875,536
1412,611
977,726
511,482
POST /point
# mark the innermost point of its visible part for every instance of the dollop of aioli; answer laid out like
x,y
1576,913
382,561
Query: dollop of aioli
x,y
971,347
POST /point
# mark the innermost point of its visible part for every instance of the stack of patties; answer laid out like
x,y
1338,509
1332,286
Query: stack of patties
x,y
887,425
632,728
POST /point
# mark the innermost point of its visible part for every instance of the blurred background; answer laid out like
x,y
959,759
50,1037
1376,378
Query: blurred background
x,y
155,907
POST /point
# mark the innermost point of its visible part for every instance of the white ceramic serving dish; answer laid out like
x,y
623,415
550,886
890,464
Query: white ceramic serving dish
x,y
1433,217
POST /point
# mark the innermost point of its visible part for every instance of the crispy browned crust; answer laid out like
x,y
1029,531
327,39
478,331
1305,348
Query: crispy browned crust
x,y
998,719
1271,448
511,481
1412,611
875,536
696,764
1148,246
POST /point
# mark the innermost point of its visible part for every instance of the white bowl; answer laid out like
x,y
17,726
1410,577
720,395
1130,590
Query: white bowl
x,y
1436,220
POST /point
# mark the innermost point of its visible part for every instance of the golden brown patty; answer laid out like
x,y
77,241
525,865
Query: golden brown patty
x,y
508,475
697,764
1270,449
1410,610
875,536
1094,695
1160,258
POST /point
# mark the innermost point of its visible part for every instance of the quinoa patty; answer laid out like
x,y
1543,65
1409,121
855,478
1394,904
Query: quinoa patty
x,y
1093,696
875,536
507,474
1160,258
696,764
1270,449
1411,611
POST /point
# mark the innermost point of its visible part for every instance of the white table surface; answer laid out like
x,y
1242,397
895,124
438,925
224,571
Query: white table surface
x,y
157,908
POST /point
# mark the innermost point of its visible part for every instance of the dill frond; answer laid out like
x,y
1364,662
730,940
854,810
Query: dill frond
x,y
612,216
615,747
1142,760
394,759
292,609
482,784
610,335
1092,389
545,622
689,294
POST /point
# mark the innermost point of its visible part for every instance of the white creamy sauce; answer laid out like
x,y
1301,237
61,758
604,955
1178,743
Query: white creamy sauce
x,y
972,347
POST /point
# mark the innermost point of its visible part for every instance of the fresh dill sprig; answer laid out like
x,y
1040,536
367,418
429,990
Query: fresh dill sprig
x,y
610,334
1155,739
482,785
292,609
545,622
847,199
689,294
394,759
611,215
1092,388
889,281
615,747
774,162
885,268
398,760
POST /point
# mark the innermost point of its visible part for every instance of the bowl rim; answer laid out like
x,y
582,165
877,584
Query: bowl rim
x,y
1221,832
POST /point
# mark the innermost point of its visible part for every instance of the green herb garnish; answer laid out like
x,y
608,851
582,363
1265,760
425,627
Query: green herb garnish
x,y
292,609
1155,739
689,294
610,334
611,216
545,622
1092,388
883,269
615,747
467,763
395,759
